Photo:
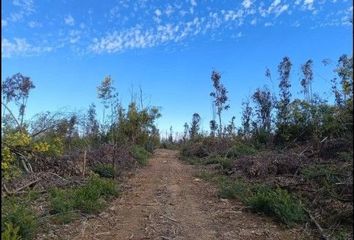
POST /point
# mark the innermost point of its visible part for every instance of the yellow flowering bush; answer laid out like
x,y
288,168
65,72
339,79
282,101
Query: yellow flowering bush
x,y
8,168
21,142
17,139
56,146
41,147
7,158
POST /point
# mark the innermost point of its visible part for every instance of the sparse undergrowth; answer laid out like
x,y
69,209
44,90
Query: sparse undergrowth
x,y
104,170
140,154
18,221
281,184
90,198
277,203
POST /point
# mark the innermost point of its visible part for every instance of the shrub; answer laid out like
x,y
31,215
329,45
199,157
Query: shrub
x,y
104,170
240,150
20,216
10,232
233,189
140,154
278,203
225,163
206,175
149,146
88,198
61,200
195,149
192,160
322,173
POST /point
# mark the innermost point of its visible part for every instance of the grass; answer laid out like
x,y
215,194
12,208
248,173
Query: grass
x,y
17,219
233,189
10,232
90,198
276,203
104,170
240,150
140,154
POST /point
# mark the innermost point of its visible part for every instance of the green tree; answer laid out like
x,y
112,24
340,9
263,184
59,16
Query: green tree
x,y
195,126
220,97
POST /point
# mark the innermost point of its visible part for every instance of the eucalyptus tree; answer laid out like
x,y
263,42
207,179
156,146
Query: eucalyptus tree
x,y
220,97
195,126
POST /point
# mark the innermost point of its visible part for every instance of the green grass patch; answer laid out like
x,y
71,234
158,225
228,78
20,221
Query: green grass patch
x,y
10,232
277,203
89,198
104,170
206,175
140,154
323,173
240,150
233,189
17,219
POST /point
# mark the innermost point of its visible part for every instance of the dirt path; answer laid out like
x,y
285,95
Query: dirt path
x,y
166,201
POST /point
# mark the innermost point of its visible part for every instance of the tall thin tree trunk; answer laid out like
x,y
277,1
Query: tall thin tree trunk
x,y
220,126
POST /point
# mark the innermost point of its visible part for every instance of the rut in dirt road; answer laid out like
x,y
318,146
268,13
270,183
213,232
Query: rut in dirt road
x,y
166,201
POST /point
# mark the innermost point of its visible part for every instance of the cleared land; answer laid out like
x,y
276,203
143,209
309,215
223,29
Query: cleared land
x,y
165,200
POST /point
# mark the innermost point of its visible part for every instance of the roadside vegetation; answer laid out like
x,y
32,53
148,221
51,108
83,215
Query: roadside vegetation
x,y
291,159
59,166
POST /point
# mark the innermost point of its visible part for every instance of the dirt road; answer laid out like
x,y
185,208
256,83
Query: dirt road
x,y
166,201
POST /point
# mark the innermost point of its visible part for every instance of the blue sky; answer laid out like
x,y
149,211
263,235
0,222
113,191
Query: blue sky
x,y
169,48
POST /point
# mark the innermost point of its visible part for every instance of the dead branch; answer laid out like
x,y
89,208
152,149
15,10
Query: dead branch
x,y
12,115
173,220
58,176
24,186
320,229
6,190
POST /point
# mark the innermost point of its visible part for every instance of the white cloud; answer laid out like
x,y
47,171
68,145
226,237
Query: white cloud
x,y
137,38
158,12
74,36
20,47
193,3
254,21
308,4
69,20
3,23
22,8
281,9
274,4
25,5
169,10
34,24
246,3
